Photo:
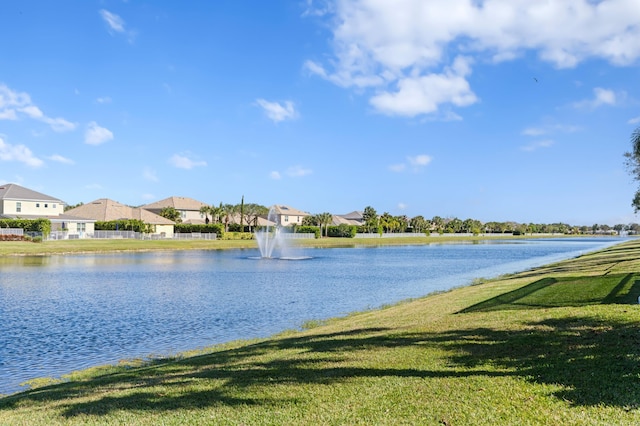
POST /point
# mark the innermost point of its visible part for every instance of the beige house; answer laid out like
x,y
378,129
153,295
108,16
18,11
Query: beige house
x,y
287,216
18,202
353,218
106,210
188,208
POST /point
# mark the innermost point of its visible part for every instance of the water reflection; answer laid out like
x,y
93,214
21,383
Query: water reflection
x,y
61,313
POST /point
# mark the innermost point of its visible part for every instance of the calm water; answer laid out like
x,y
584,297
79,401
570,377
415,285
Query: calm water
x,y
62,313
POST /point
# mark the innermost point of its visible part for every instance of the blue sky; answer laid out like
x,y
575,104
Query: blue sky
x,y
494,110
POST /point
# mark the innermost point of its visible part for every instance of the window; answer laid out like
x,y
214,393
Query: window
x,y
37,204
183,214
46,205
286,218
53,206
81,227
18,206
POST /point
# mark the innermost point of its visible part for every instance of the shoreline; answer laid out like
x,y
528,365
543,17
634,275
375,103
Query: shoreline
x,y
97,246
39,381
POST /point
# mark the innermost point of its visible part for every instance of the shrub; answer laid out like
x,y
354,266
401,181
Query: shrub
x,y
211,228
342,231
308,230
42,226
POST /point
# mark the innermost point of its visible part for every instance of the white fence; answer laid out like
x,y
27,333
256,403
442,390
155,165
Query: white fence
x,y
113,235
296,236
11,231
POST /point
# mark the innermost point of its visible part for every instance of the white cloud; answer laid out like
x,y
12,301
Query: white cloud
x,y
402,206
534,131
414,163
546,143
298,171
19,153
275,175
408,44
104,100
96,135
14,105
149,174
419,160
634,120
114,22
398,168
278,111
600,98
60,159
148,197
183,162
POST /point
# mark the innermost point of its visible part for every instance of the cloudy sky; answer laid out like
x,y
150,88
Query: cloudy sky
x,y
486,109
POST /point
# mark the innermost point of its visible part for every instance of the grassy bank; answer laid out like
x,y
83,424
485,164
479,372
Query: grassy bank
x,y
22,248
555,345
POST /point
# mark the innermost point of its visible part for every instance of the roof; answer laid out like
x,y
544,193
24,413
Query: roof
x,y
178,203
286,210
11,191
107,210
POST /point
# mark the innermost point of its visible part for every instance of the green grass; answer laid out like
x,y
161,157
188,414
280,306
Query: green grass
x,y
13,248
550,346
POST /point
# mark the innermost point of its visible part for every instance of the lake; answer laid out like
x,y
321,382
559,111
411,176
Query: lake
x,y
63,313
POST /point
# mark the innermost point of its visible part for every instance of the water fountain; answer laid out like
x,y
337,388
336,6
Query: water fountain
x,y
271,241
269,237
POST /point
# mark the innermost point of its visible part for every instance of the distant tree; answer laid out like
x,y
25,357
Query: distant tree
x,y
242,213
633,165
205,210
310,220
73,206
171,214
370,219
324,219
252,212
418,224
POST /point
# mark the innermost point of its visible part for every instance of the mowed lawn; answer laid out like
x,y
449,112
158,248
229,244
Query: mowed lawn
x,y
558,345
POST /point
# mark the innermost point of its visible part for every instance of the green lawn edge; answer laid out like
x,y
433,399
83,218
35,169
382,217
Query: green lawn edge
x,y
55,247
558,344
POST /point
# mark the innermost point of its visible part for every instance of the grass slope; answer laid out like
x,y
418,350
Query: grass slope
x,y
555,345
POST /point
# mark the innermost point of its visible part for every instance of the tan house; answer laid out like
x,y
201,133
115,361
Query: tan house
x,y
106,210
188,208
18,202
287,216
353,218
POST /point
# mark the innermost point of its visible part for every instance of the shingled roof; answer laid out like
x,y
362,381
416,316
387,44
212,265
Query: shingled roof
x,y
107,210
178,203
11,191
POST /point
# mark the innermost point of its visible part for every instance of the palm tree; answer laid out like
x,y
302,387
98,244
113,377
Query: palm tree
x,y
325,219
205,210
633,164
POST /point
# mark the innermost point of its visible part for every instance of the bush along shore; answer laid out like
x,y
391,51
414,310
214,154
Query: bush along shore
x,y
555,345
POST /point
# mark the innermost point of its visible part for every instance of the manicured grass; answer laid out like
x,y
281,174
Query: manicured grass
x,y
12,248
552,346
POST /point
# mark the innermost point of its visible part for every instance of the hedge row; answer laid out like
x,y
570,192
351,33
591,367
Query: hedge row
x,y
42,226
342,231
211,228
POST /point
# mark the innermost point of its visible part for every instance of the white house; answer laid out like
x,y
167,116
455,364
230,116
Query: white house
x,y
287,216
18,202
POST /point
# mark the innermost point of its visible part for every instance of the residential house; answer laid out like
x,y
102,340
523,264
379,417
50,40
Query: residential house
x,y
106,210
287,216
188,208
19,202
353,218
